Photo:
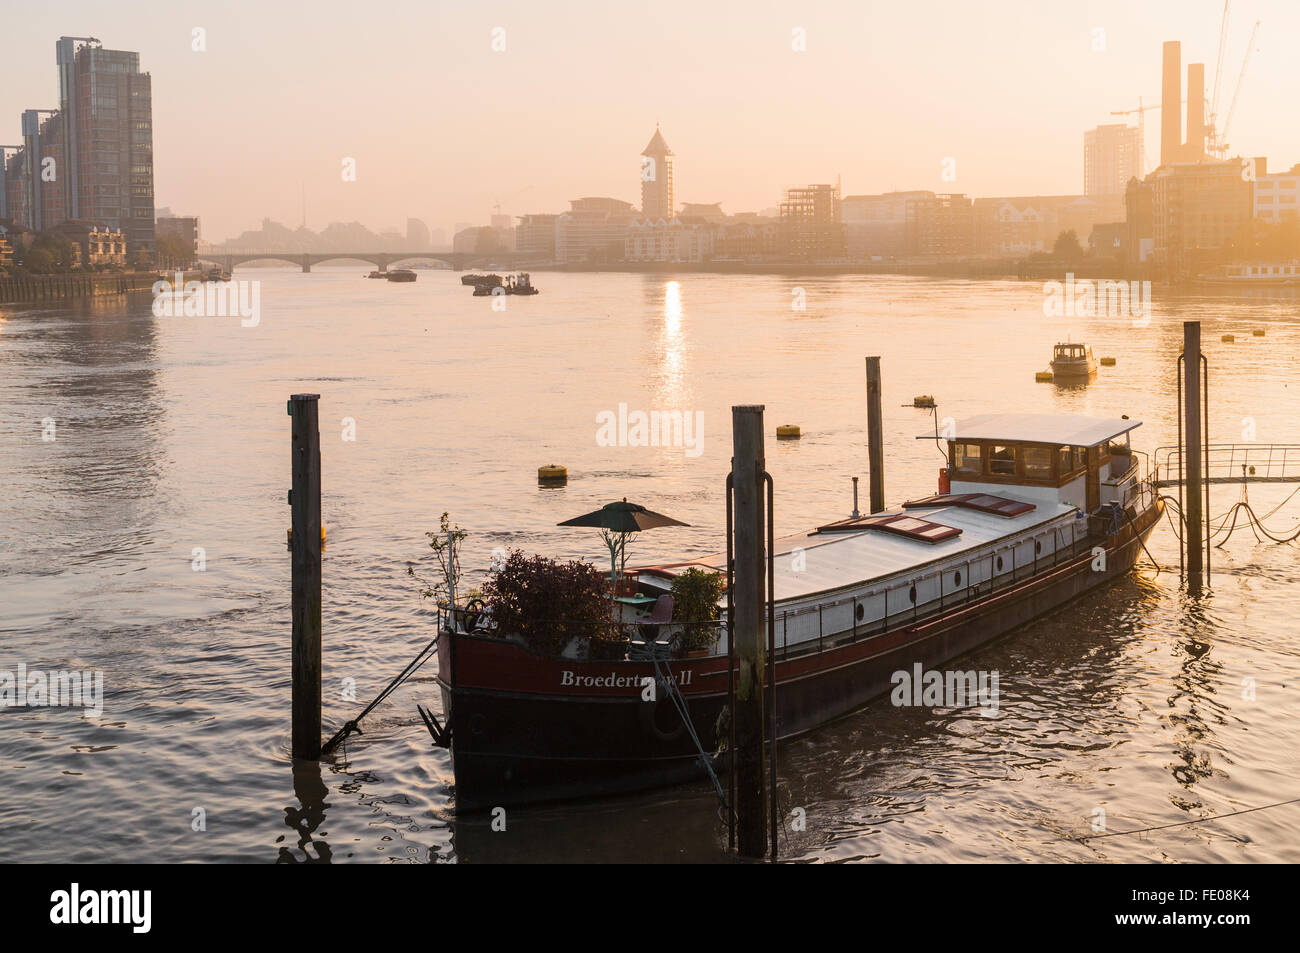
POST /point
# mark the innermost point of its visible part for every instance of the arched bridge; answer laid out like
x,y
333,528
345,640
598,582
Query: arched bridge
x,y
381,260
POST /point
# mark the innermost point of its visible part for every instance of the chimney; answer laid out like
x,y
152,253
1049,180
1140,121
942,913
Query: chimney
x,y
1171,103
1195,112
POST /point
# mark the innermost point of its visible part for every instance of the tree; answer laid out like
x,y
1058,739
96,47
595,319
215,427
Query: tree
x,y
38,261
174,252
1067,246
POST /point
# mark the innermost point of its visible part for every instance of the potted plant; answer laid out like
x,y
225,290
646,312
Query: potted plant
x,y
695,605
548,603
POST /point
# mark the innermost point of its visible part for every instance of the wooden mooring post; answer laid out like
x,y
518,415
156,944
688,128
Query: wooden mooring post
x,y
748,599
1191,439
304,498
875,439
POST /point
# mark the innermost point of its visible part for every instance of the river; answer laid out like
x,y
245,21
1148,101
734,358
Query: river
x,y
146,540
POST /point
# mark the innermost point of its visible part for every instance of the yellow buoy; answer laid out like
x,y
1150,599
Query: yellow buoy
x,y
1108,362
289,537
1043,377
552,475
1258,332
788,432
1227,339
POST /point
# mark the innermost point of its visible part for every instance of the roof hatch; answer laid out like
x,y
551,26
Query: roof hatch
x,y
897,524
983,502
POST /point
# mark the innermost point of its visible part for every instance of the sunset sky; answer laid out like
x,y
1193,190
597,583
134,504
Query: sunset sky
x,y
442,127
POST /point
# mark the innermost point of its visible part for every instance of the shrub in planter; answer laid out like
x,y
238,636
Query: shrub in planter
x,y
548,602
695,605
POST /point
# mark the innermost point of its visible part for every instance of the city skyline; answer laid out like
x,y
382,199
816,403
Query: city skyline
x,y
747,114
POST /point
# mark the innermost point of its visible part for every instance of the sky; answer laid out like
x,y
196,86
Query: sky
x,y
442,126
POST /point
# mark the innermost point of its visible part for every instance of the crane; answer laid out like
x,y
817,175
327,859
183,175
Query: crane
x,y
1218,67
1222,141
1218,133
497,206
1142,125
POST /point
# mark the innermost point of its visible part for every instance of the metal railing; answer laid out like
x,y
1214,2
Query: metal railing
x,y
590,640
911,600
1233,463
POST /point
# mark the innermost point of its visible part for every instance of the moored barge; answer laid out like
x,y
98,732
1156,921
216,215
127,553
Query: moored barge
x,y
1033,511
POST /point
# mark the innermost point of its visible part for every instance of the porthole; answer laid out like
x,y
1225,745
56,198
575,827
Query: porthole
x,y
911,594
999,564
862,611
956,579
1038,546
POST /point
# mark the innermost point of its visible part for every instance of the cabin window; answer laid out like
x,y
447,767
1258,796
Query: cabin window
x,y
1080,458
911,593
1002,461
999,564
1038,463
1064,461
968,458
956,579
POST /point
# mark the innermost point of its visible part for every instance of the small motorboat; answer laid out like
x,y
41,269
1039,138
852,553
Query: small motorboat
x,y
377,274
217,274
1073,363
401,274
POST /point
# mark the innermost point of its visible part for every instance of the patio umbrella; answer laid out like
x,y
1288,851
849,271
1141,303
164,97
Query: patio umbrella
x,y
616,521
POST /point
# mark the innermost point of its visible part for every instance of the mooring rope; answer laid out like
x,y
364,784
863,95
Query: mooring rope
x,y
353,725
1195,820
1233,512
679,703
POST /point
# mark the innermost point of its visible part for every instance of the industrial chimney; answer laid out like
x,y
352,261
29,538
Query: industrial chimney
x,y
1171,103
1196,132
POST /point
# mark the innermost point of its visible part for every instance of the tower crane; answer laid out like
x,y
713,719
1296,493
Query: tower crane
x,y
1142,126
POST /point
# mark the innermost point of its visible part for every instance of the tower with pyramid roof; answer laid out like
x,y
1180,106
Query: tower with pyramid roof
x,y
657,199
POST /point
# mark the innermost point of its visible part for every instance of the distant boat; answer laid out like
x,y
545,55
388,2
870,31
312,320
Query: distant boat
x,y
216,274
1073,363
401,274
520,284
474,280
1253,275
377,274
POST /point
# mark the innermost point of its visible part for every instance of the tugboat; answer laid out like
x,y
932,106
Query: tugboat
x,y
1032,511
520,284
401,274
1073,363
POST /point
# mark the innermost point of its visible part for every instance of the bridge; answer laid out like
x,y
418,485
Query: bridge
x,y
459,261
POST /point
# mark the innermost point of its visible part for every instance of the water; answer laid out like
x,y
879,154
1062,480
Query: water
x,y
171,434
